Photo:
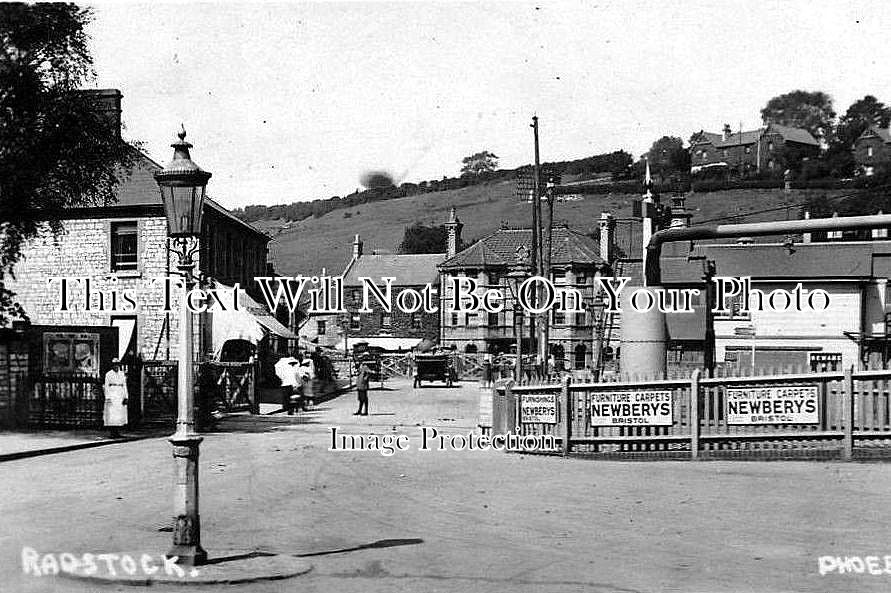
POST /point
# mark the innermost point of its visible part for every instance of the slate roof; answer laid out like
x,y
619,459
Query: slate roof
x,y
408,270
500,249
140,190
763,261
883,133
789,134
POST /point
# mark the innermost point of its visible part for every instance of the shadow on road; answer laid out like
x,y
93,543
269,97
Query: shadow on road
x,y
381,543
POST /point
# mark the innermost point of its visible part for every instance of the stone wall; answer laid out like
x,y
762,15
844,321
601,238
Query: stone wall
x,y
84,250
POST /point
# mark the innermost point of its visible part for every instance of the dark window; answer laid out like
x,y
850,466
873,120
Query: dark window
x,y
559,318
493,319
123,246
579,358
415,321
454,319
321,327
355,322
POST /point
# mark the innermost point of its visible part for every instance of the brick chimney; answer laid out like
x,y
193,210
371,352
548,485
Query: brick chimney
x,y
453,227
607,226
357,247
108,105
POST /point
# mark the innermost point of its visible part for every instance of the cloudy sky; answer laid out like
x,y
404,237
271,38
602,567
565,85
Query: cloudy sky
x,y
288,101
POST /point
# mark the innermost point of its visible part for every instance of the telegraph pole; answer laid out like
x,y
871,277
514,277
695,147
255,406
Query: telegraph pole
x,y
536,227
544,247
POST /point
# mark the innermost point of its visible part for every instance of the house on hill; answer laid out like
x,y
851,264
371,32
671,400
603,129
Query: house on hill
x,y
575,262
748,151
872,149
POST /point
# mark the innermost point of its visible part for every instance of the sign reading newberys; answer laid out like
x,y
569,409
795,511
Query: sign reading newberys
x,y
538,408
794,404
631,408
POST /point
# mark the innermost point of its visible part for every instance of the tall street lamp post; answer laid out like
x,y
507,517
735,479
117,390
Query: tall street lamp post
x,y
519,270
182,185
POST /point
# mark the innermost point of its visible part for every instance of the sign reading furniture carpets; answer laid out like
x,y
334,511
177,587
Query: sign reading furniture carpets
x,y
773,405
631,408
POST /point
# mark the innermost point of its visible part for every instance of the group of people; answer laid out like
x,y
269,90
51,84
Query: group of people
x,y
296,374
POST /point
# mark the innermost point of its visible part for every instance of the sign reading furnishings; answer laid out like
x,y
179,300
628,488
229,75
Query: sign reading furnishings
x,y
793,404
631,408
538,408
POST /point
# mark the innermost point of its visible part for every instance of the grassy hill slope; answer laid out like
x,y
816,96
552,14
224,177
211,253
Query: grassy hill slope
x,y
307,246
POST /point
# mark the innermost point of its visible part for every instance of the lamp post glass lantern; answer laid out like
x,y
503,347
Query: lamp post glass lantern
x,y
182,184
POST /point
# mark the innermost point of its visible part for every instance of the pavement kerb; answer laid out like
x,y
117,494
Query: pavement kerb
x,y
66,448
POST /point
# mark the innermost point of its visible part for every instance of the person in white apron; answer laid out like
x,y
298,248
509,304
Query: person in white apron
x,y
115,390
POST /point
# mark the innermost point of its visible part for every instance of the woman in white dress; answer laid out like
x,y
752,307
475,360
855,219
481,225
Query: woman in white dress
x,y
115,390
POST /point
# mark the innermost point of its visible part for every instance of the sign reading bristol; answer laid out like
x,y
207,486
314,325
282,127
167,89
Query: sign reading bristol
x,y
795,404
538,408
631,408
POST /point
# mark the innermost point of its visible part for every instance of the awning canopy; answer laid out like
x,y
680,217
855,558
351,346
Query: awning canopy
x,y
250,322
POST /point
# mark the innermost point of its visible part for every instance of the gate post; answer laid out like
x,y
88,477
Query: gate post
x,y
567,414
694,413
848,414
255,400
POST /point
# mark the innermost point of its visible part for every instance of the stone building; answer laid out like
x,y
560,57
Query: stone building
x,y
749,151
872,149
575,262
123,248
395,330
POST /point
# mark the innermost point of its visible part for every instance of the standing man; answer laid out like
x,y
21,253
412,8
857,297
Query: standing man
x,y
115,390
362,380
284,369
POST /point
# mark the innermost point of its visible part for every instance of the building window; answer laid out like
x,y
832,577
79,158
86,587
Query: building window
x,y
559,318
354,295
770,146
869,151
580,318
386,320
559,276
124,246
704,154
724,153
321,327
454,319
748,150
493,319
355,322
415,321
578,360
471,319
581,278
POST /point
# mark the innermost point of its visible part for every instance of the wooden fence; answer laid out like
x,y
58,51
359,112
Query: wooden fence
x,y
832,415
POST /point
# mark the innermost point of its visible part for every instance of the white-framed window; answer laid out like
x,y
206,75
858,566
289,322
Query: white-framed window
x,y
869,151
770,145
355,321
124,246
748,150
386,320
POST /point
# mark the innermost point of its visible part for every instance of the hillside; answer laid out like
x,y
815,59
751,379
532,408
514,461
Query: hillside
x,y
308,246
